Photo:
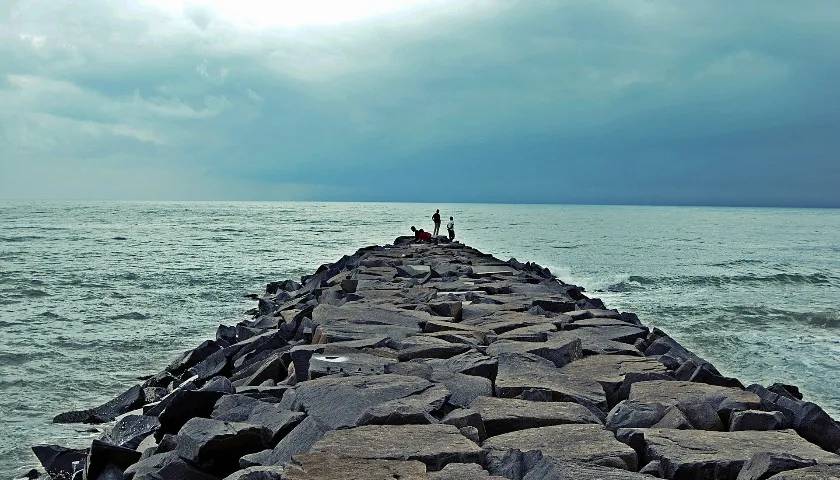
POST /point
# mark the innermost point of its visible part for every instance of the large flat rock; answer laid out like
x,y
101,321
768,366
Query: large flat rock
x,y
560,350
329,466
341,401
550,468
817,472
353,322
503,415
532,377
571,443
679,392
434,445
717,455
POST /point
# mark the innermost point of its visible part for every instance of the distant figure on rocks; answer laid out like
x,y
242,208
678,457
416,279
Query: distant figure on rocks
x,y
421,235
436,219
450,228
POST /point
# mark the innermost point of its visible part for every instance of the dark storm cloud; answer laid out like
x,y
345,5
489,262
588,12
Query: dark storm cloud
x,y
598,102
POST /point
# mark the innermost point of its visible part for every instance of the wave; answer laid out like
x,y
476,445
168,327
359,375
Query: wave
x,y
129,316
33,292
721,280
829,319
21,238
734,263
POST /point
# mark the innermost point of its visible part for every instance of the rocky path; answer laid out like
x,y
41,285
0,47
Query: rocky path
x,y
418,361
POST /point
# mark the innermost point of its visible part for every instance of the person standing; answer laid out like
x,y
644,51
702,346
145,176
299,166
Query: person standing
x,y
436,219
450,228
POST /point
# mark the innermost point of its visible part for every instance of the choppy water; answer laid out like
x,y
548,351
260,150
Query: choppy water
x,y
94,294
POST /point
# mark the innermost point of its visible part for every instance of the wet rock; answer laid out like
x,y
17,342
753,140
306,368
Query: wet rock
x,y
434,445
559,350
127,401
192,357
764,465
182,406
59,462
216,446
790,391
106,461
326,466
717,455
503,415
130,430
572,443
756,420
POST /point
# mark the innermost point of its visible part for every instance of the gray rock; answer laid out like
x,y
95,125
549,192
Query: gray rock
x,y
127,401
764,465
530,333
809,420
108,461
756,420
354,394
559,350
439,349
817,472
468,363
216,446
240,408
434,445
634,414
165,466
58,461
463,471
130,430
465,417
722,399
299,440
353,322
717,455
503,415
551,468
674,418
463,389
258,473
572,443
413,409
652,468
326,466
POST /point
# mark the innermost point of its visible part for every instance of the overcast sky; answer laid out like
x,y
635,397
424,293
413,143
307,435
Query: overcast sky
x,y
625,101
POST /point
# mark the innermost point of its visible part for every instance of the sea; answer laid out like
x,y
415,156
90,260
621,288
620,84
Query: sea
x,y
95,294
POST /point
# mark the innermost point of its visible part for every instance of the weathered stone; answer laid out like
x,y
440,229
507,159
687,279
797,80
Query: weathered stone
x,y
439,349
105,460
465,417
130,430
722,399
633,414
351,322
182,406
167,466
216,445
127,401
531,377
717,455
553,469
674,418
330,466
240,408
320,398
817,472
756,420
530,333
258,473
764,465
58,461
463,471
434,445
503,415
468,363
463,389
192,357
809,420
559,350
573,443
451,309
413,409
299,440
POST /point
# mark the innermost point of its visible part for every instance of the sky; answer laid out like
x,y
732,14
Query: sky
x,y
624,101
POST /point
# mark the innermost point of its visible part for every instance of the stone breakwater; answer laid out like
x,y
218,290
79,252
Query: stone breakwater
x,y
419,361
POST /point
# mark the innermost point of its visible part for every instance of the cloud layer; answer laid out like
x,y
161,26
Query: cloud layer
x,y
625,101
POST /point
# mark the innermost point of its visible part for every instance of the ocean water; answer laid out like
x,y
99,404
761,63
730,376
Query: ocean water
x,y
94,294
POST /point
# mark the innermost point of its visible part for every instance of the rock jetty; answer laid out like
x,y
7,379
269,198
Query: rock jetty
x,y
437,361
